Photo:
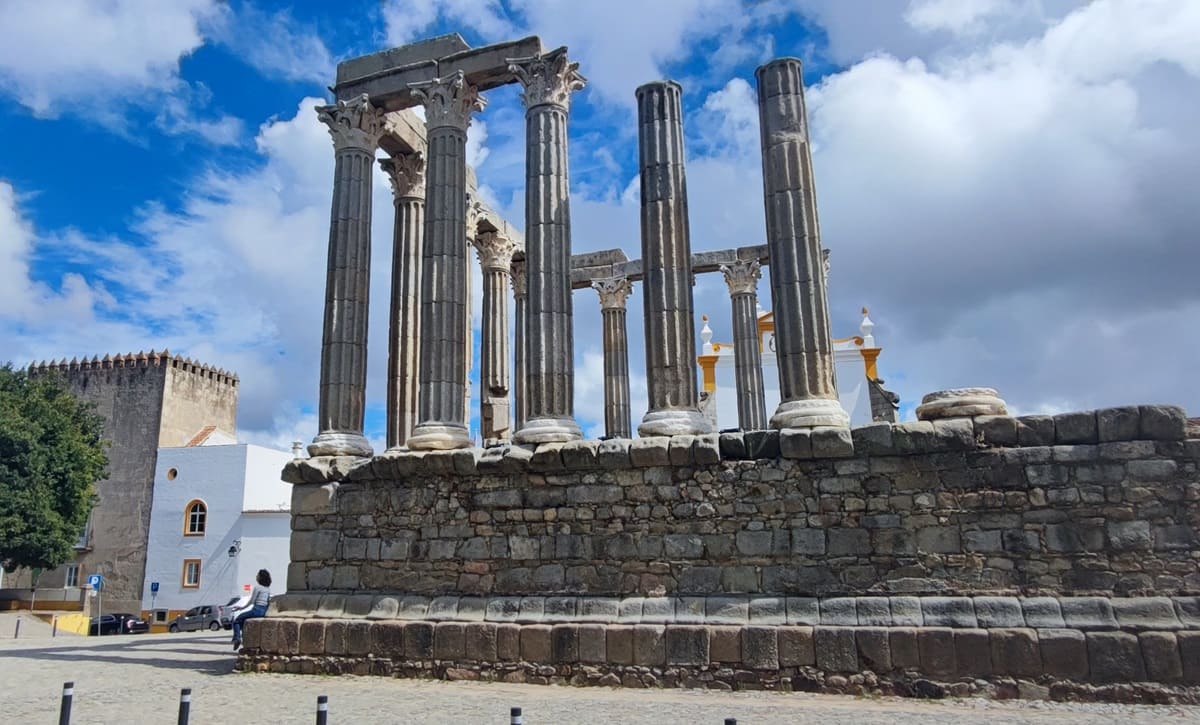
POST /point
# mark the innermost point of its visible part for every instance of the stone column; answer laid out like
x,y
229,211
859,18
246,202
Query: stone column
x,y
449,103
803,344
548,80
613,294
407,175
355,126
667,266
495,258
742,279
519,299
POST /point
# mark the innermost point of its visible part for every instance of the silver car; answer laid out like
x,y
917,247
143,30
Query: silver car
x,y
205,616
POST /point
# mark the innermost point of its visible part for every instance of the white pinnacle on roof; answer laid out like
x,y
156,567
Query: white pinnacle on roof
x,y
706,334
866,327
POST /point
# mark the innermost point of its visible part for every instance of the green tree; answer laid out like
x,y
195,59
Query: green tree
x,y
52,453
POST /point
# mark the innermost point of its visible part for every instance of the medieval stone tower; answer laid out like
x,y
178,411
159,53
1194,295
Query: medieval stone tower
x,y
148,400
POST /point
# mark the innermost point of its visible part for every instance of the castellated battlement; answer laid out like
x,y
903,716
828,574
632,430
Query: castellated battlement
x,y
139,359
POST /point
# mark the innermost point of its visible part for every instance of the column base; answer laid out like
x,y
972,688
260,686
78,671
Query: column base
x,y
549,430
674,422
334,443
810,413
438,437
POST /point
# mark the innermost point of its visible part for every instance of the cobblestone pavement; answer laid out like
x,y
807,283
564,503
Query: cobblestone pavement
x,y
137,678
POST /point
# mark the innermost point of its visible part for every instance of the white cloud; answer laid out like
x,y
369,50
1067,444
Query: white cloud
x,y
961,17
275,44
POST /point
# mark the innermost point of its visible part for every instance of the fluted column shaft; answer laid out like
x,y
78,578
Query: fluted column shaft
x,y
803,344
667,266
355,126
742,279
495,258
449,103
407,175
519,302
548,80
613,294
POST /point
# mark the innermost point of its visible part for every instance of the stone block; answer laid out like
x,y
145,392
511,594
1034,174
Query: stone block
x,y
1141,614
629,610
619,644
1115,657
252,633
939,540
999,612
936,646
581,455
1129,535
998,431
972,653
689,610
1087,613
658,610
1188,611
1074,537
547,458
905,651
848,542
449,641
1035,430
796,646
651,451
508,642
988,542
874,648
649,647
803,611
313,499
906,611
358,637
836,650
873,439
1077,427
559,609
312,637
1064,653
760,648
753,543
418,640
332,606
287,637
502,609
725,644
442,609
1015,652
593,646
687,645
796,443
1160,652
384,606
954,434
1162,423
471,609
1118,424
1042,612
335,637
1189,655
733,446
318,545
706,451
533,609
839,612
768,611
480,641
613,454
564,643
948,612
832,442
913,437
598,609
727,610
873,611
535,643
679,451
516,459
761,444
808,541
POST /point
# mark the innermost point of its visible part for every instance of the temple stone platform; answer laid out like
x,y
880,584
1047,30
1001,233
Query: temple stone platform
x,y
1040,556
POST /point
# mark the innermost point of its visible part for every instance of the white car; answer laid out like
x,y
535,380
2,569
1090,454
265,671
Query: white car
x,y
234,607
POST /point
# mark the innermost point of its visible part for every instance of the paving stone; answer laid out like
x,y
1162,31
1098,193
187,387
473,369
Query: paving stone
x,y
796,646
449,641
839,612
619,642
1088,613
418,640
1160,652
998,612
905,651
874,611
593,645
874,648
1114,657
687,645
803,611
936,646
835,649
1015,652
1140,614
480,641
972,653
648,644
1064,653
948,612
535,643
1042,612
906,611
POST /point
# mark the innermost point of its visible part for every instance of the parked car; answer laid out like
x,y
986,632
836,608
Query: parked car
x,y
205,616
118,623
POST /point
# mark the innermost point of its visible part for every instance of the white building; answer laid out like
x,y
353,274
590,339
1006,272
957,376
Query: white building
x,y
854,365
220,513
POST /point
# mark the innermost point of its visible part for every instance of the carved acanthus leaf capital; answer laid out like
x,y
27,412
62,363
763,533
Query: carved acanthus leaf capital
x,y
613,292
448,101
742,276
517,270
825,265
407,175
495,251
353,124
548,78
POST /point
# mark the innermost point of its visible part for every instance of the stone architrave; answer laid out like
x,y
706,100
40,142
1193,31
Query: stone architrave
x,y
519,301
803,344
961,403
356,126
495,258
742,279
449,104
548,80
667,267
407,176
613,294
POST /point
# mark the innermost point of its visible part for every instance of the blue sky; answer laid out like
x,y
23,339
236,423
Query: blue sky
x,y
1008,184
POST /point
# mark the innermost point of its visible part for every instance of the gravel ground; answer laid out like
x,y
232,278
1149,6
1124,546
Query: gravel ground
x,y
137,678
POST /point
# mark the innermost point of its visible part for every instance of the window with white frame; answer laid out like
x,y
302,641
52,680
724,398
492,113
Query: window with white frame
x,y
72,579
191,574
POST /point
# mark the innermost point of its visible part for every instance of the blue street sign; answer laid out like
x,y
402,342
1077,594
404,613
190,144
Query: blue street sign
x,y
154,587
95,581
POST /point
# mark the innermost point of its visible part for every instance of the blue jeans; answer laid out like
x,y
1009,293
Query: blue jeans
x,y
256,611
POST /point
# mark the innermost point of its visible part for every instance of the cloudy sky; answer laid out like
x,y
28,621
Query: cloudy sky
x,y
1009,185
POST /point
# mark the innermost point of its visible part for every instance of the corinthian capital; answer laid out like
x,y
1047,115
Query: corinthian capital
x,y
449,101
518,279
548,78
407,174
495,251
742,276
613,292
353,124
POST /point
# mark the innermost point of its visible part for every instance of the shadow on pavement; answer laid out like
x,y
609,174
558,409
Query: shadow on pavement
x,y
215,660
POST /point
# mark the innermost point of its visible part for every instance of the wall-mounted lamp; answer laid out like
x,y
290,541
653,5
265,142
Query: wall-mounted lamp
x,y
236,548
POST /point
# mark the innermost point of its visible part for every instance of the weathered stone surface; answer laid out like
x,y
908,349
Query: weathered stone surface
x,y
479,641
1189,655
1015,652
613,454
649,647
443,608
839,612
960,403
564,643
1118,424
905,650
1075,427
1114,657
1064,653
996,430
1042,612
1035,430
652,451
874,648
873,439
874,611
707,450
287,636
1162,423
1160,652
803,611
312,637
725,644
796,443
449,641
796,646
972,652
536,643
936,646
760,648
335,637
619,642
593,644
1145,613
687,645
508,642
733,446
906,611
331,606
948,612
768,610
761,444
998,612
1088,613
836,650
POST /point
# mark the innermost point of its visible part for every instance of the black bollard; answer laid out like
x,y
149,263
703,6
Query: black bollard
x,y
64,712
17,630
731,721
54,632
185,705
514,716
322,709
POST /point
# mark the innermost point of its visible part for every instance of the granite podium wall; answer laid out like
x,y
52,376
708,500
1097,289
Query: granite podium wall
x,y
1055,554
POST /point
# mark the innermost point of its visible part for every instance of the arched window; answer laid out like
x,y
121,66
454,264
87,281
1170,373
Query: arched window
x,y
195,518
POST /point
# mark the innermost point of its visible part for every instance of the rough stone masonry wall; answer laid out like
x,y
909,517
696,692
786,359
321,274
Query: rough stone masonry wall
x,y
1042,508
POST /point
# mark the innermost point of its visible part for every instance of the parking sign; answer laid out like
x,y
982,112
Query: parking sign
x,y
154,587
95,581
